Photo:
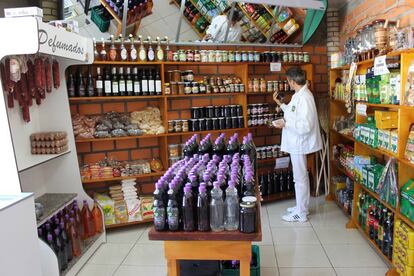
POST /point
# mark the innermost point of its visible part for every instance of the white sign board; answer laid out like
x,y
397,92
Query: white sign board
x,y
275,67
380,66
58,42
282,162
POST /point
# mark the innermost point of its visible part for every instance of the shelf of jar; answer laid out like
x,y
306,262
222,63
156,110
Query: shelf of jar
x,y
198,63
120,225
406,220
278,196
376,196
112,98
206,95
148,136
107,62
259,93
111,179
206,131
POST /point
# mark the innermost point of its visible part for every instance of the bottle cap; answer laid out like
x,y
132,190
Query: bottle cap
x,y
49,237
192,177
216,184
57,231
72,220
62,225
250,135
206,177
202,189
187,189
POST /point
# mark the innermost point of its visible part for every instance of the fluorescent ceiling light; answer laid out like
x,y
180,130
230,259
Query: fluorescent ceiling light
x,y
304,4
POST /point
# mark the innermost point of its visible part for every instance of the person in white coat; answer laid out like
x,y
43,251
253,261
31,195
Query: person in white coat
x,y
218,27
300,136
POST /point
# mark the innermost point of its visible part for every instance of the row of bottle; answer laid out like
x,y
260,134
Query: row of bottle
x,y
136,8
203,193
67,231
115,83
194,16
377,221
276,182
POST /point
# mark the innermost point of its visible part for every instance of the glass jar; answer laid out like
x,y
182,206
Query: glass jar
x,y
295,57
256,56
248,215
187,88
184,125
244,56
250,85
225,55
219,56
204,56
190,55
285,57
181,89
231,56
237,56
195,88
241,88
174,88
392,35
202,87
256,85
286,86
290,57
178,127
188,75
251,56
167,89
281,86
173,150
262,85
269,86
182,55
236,88
378,34
211,56
306,57
197,56
170,126
300,56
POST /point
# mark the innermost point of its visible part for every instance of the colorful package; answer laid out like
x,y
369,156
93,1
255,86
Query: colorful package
x,y
108,208
146,207
134,210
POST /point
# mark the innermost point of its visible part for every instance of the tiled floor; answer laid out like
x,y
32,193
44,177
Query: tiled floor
x,y
320,247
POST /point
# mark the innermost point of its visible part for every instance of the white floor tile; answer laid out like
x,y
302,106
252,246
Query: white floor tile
x,y
150,19
338,234
129,235
267,256
269,271
353,255
97,270
299,235
301,256
173,20
110,254
164,8
328,218
144,238
275,220
146,255
307,272
266,236
141,270
280,207
361,271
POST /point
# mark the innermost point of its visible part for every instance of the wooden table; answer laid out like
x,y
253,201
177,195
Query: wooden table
x,y
224,245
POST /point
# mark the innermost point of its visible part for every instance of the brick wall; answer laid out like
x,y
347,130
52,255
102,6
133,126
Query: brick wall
x,y
357,13
50,9
332,17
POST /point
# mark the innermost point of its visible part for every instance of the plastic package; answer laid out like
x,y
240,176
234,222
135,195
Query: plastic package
x,y
107,205
121,213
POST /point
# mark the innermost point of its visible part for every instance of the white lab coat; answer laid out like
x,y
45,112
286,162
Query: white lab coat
x,y
301,134
218,27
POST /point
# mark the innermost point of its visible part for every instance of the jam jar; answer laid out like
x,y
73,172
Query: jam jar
x,y
167,89
204,55
190,55
175,56
256,56
197,56
251,56
187,88
237,56
211,56
244,56
182,55
195,89
219,56
225,56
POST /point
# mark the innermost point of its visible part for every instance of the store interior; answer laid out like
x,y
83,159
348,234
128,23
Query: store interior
x,y
142,138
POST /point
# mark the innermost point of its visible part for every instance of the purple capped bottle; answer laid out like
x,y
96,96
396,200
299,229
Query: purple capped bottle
x,y
188,209
203,222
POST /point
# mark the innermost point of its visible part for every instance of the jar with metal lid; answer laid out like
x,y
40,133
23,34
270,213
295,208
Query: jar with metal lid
x,y
251,56
204,55
167,89
187,88
300,56
250,85
231,56
215,89
202,87
306,57
195,88
295,57
228,88
269,86
211,56
256,56
269,152
190,55
281,86
259,108
285,56
225,56
173,150
222,89
197,56
250,121
254,120
237,56
219,56
174,88
231,87
182,55
290,57
178,127
260,120
254,109
248,215
184,125
188,75
170,76
256,85
244,56
262,85
219,81
181,88
170,126
176,56
241,88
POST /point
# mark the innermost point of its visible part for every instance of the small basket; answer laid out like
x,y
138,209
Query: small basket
x,y
98,18
254,270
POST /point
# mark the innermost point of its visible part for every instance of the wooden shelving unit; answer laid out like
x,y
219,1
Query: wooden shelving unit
x,y
111,179
405,119
120,225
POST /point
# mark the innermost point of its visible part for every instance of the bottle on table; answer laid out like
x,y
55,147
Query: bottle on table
x,y
231,207
216,209
173,209
159,208
203,222
188,209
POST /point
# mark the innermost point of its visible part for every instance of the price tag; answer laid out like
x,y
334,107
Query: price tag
x,y
282,162
275,67
361,109
380,66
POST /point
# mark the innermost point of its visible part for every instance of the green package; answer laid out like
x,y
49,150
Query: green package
x,y
407,199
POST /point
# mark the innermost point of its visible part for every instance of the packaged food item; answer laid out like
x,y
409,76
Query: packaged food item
x,y
146,207
134,210
407,200
394,141
156,165
409,148
108,208
121,214
386,120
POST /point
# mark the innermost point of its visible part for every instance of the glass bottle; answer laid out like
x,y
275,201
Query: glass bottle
x,y
97,218
188,209
158,85
74,238
102,53
107,83
137,82
90,90
95,51
71,85
68,244
80,86
172,209
144,84
231,207
112,50
151,83
203,223
123,51
142,52
87,220
217,209
99,82
168,52
248,185
62,254
159,50
132,51
150,53
115,84
159,208
55,249
121,82
129,83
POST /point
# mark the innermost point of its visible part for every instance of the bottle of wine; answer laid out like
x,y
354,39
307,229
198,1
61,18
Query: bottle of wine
x,y
150,53
158,86
129,83
107,83
115,84
71,85
123,51
112,51
80,86
121,82
102,53
133,50
159,50
137,82
151,83
95,51
90,91
144,84
99,83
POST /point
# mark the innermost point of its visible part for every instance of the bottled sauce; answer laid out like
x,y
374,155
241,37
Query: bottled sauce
x,y
219,146
168,52
216,209
133,51
107,83
231,207
172,209
115,84
144,84
90,91
137,83
99,83
55,249
123,51
87,221
80,85
112,50
188,210
71,85
151,83
97,218
121,82
102,53
158,86
159,208
159,50
75,239
129,83
142,53
150,53
203,222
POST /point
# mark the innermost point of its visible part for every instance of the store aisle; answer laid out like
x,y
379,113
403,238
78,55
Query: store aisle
x,y
320,247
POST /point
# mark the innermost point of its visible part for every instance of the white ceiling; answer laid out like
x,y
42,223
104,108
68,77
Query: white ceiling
x,y
338,3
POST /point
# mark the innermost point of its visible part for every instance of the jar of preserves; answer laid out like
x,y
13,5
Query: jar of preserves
x,y
195,88
269,86
170,126
231,56
236,88
306,57
215,89
190,55
167,89
237,56
250,85
174,88
219,81
248,215
204,56
300,56
244,56
175,56
188,75
290,57
211,56
197,56
286,86
176,75
178,127
209,89
251,56
225,56
256,56
295,57
241,88
256,85
182,55
229,88
202,87
285,56
184,125
262,85
222,89
281,86
187,88
180,88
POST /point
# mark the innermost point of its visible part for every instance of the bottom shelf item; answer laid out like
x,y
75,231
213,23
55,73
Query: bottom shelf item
x,y
403,257
232,268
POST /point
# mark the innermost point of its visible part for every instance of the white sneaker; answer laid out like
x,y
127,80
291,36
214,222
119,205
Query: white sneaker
x,y
293,209
295,217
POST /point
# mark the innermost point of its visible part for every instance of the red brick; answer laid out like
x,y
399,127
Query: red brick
x,y
324,59
321,69
118,155
126,144
320,49
102,145
180,104
90,109
220,101
155,153
315,59
136,106
185,114
148,142
74,109
141,154
118,107
208,70
308,48
201,102
173,115
93,158
229,70
83,147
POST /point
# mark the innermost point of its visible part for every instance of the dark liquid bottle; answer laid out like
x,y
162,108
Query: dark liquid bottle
x,y
172,209
80,85
121,82
219,146
129,83
90,90
99,83
68,244
158,86
203,220
144,84
71,85
115,83
151,83
159,209
107,83
188,210
137,82
61,247
55,249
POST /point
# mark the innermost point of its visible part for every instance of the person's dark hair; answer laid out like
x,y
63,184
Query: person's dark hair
x,y
297,75
237,15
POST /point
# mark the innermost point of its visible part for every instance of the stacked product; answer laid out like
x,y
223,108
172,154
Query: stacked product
x,y
409,148
407,200
403,257
257,85
126,203
68,231
262,114
276,182
377,221
270,152
202,191
49,142
344,191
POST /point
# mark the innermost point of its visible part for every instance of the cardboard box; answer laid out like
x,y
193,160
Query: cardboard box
x,y
386,119
21,12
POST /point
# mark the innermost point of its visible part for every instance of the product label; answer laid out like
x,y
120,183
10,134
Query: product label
x,y
133,54
150,55
137,87
160,55
108,86
159,217
151,87
115,88
122,87
158,86
130,86
142,55
124,54
172,215
144,86
99,84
